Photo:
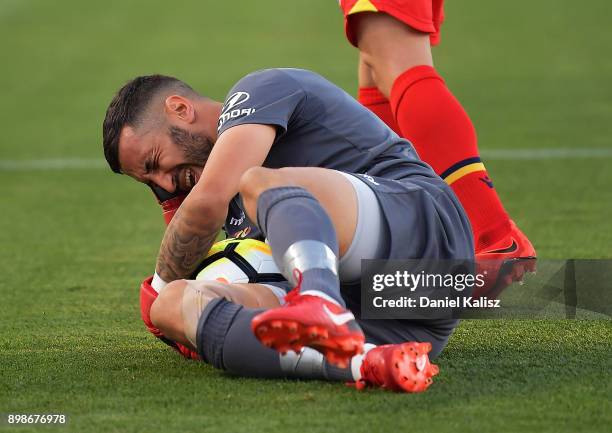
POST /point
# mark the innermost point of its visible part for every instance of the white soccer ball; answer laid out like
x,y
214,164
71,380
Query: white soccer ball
x,y
239,261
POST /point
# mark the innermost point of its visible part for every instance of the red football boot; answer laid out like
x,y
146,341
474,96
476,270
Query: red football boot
x,y
398,367
504,262
311,321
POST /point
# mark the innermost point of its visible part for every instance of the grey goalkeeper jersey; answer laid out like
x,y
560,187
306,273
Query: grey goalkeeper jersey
x,y
319,125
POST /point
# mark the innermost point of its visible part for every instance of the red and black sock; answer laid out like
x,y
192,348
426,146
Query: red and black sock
x,y
372,98
434,121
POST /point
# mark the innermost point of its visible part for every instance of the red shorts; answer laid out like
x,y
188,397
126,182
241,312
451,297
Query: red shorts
x,y
423,15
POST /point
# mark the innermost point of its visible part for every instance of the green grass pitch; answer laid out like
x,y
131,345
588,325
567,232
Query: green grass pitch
x,y
76,242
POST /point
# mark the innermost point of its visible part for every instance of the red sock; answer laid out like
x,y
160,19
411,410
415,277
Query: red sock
x,y
372,98
442,133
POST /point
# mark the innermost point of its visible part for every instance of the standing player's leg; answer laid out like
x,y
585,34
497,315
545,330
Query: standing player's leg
x,y
215,320
431,117
370,97
395,50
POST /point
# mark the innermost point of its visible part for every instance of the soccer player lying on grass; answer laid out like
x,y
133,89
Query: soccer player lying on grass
x,y
327,183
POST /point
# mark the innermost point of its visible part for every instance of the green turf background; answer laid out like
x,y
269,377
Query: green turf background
x,y
76,243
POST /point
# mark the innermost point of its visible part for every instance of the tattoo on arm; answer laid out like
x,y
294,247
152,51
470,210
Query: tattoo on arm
x,y
185,243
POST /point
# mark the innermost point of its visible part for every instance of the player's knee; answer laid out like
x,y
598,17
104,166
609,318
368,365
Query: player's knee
x,y
166,311
253,180
258,179
196,297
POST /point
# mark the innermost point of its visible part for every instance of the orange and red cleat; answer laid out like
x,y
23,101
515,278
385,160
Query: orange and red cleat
x,y
310,321
398,367
504,262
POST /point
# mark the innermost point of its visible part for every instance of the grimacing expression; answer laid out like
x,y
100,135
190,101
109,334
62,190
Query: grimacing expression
x,y
172,158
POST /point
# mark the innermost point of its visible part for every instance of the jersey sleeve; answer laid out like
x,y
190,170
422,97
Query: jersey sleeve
x,y
268,97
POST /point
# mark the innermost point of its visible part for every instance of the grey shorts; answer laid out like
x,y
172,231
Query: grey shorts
x,y
412,218
403,219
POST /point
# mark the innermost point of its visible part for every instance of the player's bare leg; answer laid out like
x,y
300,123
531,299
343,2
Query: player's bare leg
x,y
398,60
331,189
216,317
309,216
370,96
388,48
178,307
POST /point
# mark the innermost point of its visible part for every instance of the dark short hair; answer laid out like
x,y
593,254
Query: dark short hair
x,y
128,106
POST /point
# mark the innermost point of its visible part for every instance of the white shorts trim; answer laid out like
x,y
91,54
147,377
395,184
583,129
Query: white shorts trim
x,y
371,238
